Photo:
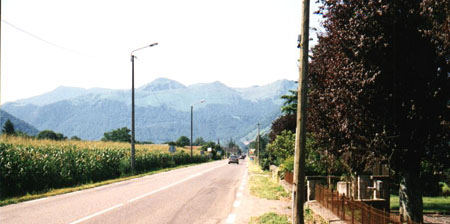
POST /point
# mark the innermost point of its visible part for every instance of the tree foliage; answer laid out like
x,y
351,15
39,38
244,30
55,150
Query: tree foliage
x,y
49,134
380,88
183,141
199,141
290,102
75,138
118,135
8,128
285,122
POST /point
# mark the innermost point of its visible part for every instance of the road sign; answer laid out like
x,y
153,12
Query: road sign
x,y
172,148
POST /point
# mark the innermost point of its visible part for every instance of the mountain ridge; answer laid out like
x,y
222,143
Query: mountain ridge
x,y
162,110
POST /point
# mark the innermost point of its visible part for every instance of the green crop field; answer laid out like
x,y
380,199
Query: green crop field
x,y
28,165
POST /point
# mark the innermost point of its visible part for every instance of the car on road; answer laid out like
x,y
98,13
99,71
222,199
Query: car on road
x,y
242,156
233,159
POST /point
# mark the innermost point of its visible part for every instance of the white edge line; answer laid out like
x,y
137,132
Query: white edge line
x,y
231,218
144,195
36,200
95,214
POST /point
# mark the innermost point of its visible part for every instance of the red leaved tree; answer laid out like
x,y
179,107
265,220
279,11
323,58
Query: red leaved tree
x,y
380,87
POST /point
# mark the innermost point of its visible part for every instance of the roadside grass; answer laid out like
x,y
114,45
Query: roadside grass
x,y
53,192
311,218
261,185
270,218
254,168
439,204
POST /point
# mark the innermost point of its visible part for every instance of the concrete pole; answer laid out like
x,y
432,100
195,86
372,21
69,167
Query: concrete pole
x,y
132,114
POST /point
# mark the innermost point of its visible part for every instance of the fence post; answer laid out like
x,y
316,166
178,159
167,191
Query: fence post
x,y
369,214
338,207
352,210
362,214
332,197
343,207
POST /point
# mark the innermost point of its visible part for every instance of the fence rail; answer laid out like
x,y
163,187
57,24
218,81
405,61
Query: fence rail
x,y
354,211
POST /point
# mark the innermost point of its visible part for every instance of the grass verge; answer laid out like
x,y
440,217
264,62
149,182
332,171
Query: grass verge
x,y
271,217
311,218
254,168
53,192
430,204
261,185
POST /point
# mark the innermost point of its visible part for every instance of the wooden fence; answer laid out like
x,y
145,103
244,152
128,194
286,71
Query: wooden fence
x,y
353,211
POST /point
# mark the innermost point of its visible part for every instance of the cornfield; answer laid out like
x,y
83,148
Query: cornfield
x,y
28,165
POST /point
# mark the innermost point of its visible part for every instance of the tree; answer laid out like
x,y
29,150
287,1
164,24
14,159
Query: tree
x,y
8,128
183,141
289,119
118,135
49,134
379,88
199,141
286,122
75,138
264,141
290,102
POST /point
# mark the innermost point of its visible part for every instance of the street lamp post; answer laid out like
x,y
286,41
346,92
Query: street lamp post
x,y
192,120
132,104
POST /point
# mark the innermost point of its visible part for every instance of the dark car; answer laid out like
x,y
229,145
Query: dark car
x,y
242,156
233,159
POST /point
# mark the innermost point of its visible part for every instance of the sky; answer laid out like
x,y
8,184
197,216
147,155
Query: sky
x,y
87,43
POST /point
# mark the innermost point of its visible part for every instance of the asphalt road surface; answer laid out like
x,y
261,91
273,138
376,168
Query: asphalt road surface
x,y
199,194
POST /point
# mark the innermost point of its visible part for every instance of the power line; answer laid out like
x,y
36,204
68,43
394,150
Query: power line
x,y
39,38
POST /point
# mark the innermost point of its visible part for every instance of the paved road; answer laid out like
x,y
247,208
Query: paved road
x,y
197,194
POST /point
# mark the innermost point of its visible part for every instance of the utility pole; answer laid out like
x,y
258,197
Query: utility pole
x,y
300,135
192,125
258,145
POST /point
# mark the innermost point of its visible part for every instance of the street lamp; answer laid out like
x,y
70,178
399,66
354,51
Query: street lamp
x,y
132,103
192,125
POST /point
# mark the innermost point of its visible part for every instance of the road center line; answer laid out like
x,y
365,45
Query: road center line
x,y
98,213
236,204
173,184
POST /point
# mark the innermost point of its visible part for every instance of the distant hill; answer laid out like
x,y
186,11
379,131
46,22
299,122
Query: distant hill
x,y
162,110
19,125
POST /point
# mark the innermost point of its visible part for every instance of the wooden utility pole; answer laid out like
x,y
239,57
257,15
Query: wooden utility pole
x,y
258,145
300,134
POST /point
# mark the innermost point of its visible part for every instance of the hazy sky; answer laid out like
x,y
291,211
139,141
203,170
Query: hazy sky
x,y
87,43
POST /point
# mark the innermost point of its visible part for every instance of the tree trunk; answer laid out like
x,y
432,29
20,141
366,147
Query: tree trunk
x,y
410,193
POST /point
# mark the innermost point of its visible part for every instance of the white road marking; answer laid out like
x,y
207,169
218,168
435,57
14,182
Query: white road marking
x,y
236,204
173,184
40,199
241,188
98,213
231,218
147,194
239,194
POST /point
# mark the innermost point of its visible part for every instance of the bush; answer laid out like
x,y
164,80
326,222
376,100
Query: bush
x,y
288,165
445,189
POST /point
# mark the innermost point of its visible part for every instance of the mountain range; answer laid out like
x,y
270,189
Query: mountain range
x,y
19,125
162,110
